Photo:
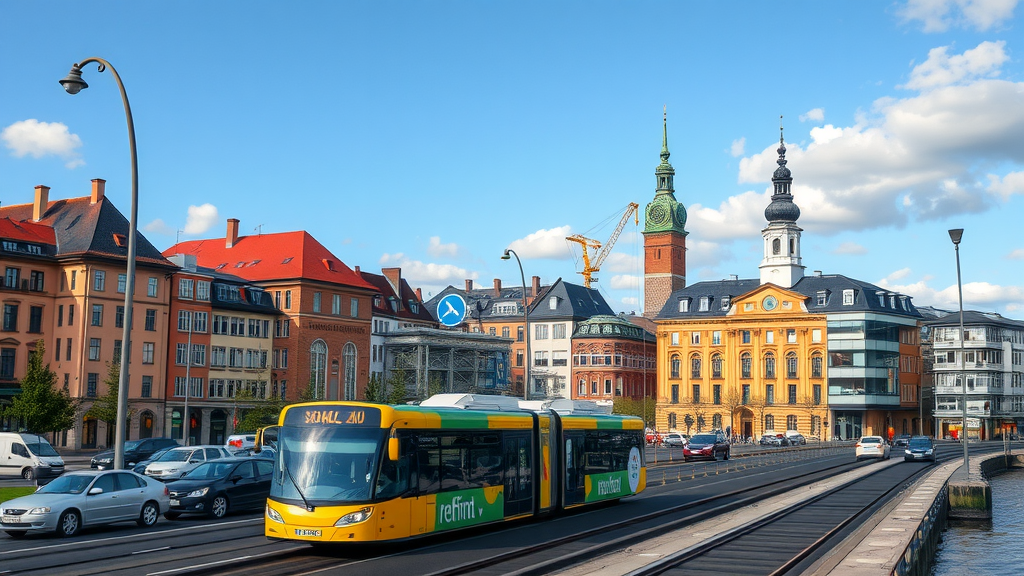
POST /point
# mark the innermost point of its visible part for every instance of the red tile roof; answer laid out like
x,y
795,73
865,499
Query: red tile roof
x,y
272,257
27,231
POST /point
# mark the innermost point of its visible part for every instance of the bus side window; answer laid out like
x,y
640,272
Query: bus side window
x,y
428,464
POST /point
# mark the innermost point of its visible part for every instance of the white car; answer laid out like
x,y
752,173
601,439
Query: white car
x,y
177,461
872,447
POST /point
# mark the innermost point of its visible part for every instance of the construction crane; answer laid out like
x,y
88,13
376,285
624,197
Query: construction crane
x,y
589,267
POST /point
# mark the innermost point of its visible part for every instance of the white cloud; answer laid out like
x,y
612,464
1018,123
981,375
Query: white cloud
x,y
38,139
941,69
200,219
158,226
822,135
630,301
737,147
550,244
898,275
432,278
438,250
621,262
1008,185
814,115
1017,254
850,248
940,15
624,282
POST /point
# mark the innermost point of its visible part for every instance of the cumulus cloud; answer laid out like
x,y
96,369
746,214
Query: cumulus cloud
x,y
439,250
940,15
1017,254
432,278
624,282
814,115
738,147
850,248
548,244
200,219
941,69
630,301
158,226
1008,185
621,262
39,139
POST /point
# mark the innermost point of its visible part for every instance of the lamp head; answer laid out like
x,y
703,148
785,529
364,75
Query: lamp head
x,y
955,235
506,255
73,82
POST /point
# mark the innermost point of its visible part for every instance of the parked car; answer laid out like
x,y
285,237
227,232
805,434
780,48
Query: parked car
x,y
919,448
85,498
239,441
653,436
772,439
135,451
795,438
674,439
901,441
29,456
707,446
266,453
213,488
177,461
140,468
872,447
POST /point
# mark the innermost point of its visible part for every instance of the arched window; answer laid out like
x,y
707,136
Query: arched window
x,y
816,365
716,366
776,246
318,369
348,354
769,365
791,422
146,424
716,421
791,365
676,365
695,366
769,422
671,420
745,363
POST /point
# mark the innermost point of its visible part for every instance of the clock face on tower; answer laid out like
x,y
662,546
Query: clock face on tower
x,y
658,214
769,303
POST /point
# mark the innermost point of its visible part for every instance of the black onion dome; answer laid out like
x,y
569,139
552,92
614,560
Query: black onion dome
x,y
782,209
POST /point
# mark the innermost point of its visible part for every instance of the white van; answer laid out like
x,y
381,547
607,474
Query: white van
x,y
29,456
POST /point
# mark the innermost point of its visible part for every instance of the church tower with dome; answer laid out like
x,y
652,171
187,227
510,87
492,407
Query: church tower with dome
x,y
664,237
782,264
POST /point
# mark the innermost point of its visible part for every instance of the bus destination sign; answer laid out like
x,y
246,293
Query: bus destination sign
x,y
327,415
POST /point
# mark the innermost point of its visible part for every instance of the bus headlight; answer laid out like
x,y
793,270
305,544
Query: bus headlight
x,y
274,515
354,517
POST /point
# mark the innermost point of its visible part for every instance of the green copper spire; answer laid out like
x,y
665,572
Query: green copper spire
x,y
665,214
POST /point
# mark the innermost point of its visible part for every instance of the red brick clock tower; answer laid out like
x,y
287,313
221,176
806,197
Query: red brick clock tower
x,y
664,238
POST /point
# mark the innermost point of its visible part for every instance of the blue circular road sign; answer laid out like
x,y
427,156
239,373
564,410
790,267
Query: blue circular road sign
x,y
451,310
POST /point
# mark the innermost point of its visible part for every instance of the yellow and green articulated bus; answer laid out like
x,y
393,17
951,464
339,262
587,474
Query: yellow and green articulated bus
x,y
358,472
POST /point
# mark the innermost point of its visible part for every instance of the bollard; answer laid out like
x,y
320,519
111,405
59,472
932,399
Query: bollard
x,y
663,481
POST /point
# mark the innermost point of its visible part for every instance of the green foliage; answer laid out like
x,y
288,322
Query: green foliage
x,y
390,391
435,386
253,413
634,407
42,406
105,407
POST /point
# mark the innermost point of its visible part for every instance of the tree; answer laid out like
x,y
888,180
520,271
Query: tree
x,y
634,407
389,391
40,404
253,412
688,420
759,406
105,407
732,401
812,409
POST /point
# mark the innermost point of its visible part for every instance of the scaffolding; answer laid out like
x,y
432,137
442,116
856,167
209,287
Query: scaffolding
x,y
431,361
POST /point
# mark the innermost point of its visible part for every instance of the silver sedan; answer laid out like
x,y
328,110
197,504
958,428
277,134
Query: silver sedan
x,y
86,498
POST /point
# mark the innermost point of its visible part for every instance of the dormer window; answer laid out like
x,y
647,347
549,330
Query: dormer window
x,y
848,297
881,298
726,301
705,303
892,301
553,303
684,304
822,297
377,300
414,307
903,303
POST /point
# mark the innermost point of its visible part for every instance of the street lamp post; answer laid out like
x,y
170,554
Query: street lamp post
x,y
526,323
955,235
74,84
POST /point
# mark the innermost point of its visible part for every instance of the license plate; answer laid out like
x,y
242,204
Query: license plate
x,y
314,533
175,502
10,519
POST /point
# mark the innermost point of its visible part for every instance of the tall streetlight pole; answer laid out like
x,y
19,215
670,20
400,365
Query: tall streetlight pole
x,y
955,235
74,84
526,322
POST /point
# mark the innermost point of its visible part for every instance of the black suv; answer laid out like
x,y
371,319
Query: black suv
x,y
135,451
708,446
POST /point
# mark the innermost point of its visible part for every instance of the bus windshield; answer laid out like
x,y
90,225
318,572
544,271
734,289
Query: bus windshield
x,y
326,465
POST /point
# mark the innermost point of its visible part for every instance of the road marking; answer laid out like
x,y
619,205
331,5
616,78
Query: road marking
x,y
236,559
151,550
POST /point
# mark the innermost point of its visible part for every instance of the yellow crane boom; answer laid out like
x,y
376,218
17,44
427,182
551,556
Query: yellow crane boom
x,y
589,267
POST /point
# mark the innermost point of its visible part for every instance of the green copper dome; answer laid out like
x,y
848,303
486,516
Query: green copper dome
x,y
665,213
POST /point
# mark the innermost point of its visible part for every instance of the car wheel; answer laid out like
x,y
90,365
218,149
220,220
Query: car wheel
x,y
150,513
172,515
28,474
219,507
69,523
16,533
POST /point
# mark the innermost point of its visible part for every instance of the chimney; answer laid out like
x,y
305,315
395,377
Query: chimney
x,y
469,285
357,270
419,295
42,201
232,238
394,276
98,186
536,287
497,287
817,272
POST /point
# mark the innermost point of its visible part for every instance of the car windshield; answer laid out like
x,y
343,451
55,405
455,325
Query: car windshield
x,y
175,456
66,484
703,439
871,440
334,464
132,445
38,445
920,443
211,470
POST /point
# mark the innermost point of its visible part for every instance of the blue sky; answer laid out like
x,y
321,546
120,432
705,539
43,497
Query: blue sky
x,y
433,135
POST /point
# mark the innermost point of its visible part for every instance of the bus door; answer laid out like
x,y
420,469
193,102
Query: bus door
x,y
518,485
575,476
